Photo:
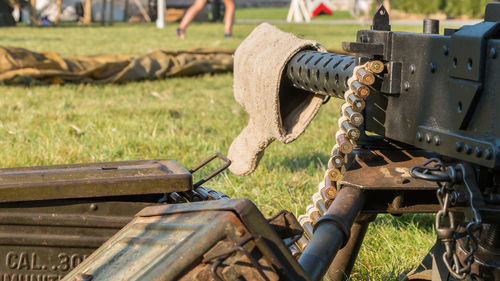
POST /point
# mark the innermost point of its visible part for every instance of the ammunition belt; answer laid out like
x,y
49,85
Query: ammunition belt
x,y
346,137
194,195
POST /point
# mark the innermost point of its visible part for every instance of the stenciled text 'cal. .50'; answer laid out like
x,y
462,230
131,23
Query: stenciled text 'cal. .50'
x,y
431,103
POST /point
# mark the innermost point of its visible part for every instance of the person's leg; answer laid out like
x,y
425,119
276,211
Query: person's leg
x,y
228,17
189,16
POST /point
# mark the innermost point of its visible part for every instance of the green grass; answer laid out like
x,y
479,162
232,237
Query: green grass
x,y
186,119
281,14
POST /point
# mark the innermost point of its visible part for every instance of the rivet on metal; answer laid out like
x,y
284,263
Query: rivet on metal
x,y
459,146
493,53
428,138
433,67
488,154
93,207
479,151
468,148
445,50
420,137
407,85
412,68
437,140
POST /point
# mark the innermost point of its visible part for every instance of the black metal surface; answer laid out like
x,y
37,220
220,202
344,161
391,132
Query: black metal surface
x,y
332,232
440,92
431,26
324,73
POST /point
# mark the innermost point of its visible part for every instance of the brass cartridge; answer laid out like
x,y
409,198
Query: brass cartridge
x,y
361,90
365,77
358,104
355,117
344,145
375,66
351,131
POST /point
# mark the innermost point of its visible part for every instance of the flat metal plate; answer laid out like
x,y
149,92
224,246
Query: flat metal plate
x,y
386,169
93,180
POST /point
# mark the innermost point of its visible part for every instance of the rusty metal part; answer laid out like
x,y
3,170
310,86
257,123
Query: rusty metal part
x,y
92,180
344,144
365,76
344,260
346,127
332,232
286,225
357,103
355,117
220,240
375,66
387,170
361,90
219,155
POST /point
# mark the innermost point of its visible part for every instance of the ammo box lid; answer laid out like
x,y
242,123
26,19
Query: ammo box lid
x,y
93,180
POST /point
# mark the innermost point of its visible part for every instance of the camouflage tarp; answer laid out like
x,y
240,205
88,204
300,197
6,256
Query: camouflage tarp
x,y
21,66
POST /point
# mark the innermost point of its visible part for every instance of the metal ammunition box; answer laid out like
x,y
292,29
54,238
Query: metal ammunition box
x,y
53,217
212,240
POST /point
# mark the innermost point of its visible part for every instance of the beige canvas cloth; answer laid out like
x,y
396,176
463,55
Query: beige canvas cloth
x,y
276,109
21,66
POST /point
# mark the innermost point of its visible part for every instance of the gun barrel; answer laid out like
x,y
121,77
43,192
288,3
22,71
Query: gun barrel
x,y
331,232
322,73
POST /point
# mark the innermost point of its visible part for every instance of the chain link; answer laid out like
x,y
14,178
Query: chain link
x,y
446,229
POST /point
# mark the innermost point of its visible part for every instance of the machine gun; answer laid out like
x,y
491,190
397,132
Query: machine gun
x,y
420,119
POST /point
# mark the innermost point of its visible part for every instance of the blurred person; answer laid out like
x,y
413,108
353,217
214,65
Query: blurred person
x,y
197,7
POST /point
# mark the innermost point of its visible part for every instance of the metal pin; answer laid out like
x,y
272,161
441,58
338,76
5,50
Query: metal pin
x,y
355,117
360,89
313,214
351,131
343,143
375,66
357,103
318,202
302,243
365,77
306,223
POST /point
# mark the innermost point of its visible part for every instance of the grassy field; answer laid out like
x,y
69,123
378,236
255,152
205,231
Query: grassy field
x,y
185,119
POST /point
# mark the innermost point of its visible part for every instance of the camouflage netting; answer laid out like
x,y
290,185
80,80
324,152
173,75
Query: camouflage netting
x,y
21,66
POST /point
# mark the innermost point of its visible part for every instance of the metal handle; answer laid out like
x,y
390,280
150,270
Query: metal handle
x,y
214,173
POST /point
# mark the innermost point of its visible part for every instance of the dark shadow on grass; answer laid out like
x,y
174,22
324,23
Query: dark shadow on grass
x,y
301,162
